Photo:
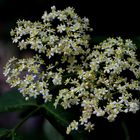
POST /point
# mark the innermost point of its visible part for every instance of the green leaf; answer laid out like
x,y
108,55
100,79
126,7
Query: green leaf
x,y
49,130
13,101
61,118
3,132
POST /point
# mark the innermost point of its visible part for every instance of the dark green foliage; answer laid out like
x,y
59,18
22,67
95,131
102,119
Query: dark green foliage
x,y
13,100
59,118
3,132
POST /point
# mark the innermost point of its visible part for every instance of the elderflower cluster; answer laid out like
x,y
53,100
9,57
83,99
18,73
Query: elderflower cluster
x,y
27,76
102,80
108,86
60,32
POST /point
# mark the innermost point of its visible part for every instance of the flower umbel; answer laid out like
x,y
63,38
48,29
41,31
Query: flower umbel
x,y
102,80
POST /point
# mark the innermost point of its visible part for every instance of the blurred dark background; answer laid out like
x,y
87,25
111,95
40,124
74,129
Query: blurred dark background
x,y
113,18
107,18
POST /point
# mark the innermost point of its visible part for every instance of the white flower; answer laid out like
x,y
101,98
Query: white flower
x,y
61,28
57,79
89,126
134,107
72,126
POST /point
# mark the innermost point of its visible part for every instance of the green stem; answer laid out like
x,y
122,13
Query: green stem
x,y
26,118
127,137
13,135
12,131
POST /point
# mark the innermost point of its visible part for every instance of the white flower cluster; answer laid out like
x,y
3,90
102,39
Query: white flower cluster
x,y
61,32
102,81
26,74
108,86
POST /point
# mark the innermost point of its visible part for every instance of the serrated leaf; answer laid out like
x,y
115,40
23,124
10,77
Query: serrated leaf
x,y
13,100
